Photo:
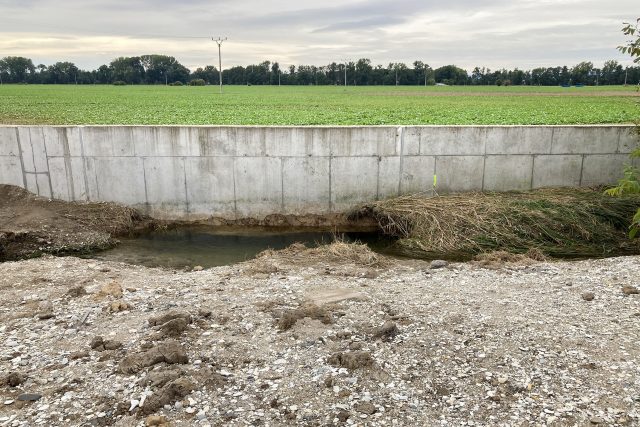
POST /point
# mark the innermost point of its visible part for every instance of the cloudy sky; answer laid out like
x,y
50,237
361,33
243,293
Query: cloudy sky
x,y
492,33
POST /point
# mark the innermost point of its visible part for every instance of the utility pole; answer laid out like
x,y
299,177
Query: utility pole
x,y
345,70
625,76
219,41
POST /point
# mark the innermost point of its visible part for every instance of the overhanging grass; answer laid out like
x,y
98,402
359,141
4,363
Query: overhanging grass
x,y
565,222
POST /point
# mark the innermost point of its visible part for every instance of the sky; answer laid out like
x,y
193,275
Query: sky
x,y
468,33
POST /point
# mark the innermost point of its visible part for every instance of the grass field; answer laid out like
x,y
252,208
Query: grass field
x,y
322,105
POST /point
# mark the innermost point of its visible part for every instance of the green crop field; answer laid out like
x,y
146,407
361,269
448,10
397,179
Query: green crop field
x,y
316,105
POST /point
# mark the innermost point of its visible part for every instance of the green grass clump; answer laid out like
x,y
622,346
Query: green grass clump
x,y
566,222
314,105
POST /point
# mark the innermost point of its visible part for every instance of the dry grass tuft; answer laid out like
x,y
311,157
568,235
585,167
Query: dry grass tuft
x,y
566,222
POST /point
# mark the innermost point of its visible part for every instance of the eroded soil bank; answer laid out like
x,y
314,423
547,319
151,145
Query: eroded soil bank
x,y
320,337
31,225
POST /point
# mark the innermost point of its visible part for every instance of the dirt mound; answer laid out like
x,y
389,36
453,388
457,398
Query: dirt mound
x,y
31,225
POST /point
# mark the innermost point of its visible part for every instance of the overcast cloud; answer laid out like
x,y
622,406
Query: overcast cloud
x,y
468,33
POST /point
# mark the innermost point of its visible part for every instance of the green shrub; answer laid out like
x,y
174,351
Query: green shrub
x,y
178,83
119,83
197,82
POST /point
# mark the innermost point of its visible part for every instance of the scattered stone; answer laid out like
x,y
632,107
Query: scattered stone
x,y
386,332
588,296
170,352
351,359
45,311
198,268
343,416
29,397
630,290
438,263
203,312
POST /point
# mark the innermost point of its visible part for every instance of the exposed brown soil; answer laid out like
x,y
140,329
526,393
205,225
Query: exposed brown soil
x,y
31,225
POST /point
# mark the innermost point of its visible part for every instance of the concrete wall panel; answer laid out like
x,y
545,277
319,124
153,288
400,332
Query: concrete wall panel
x,y
233,171
210,186
9,142
306,185
603,168
258,183
459,173
417,174
557,171
452,140
11,171
353,180
504,173
585,139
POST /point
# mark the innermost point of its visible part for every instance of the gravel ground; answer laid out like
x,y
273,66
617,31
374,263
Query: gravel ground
x,y
276,342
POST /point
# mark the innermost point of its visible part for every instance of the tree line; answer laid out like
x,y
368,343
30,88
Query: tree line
x,y
163,69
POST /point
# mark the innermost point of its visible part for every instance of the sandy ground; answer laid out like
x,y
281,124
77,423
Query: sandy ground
x,y
298,340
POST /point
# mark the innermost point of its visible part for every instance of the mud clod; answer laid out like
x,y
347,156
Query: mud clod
x,y
351,359
288,318
170,352
630,290
76,292
156,421
588,296
167,395
172,329
171,315
13,379
386,332
100,344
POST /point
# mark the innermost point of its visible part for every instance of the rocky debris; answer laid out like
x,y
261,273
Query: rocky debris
x,y
506,346
288,318
162,319
386,332
167,395
588,296
169,352
100,344
198,268
438,263
351,359
77,291
13,379
630,290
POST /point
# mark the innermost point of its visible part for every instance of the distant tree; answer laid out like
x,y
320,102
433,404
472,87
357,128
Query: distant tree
x,y
209,74
16,69
451,75
127,69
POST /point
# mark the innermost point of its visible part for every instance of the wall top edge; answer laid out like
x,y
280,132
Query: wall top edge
x,y
603,125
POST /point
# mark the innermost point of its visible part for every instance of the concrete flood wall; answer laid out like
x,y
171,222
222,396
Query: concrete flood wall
x,y
192,172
